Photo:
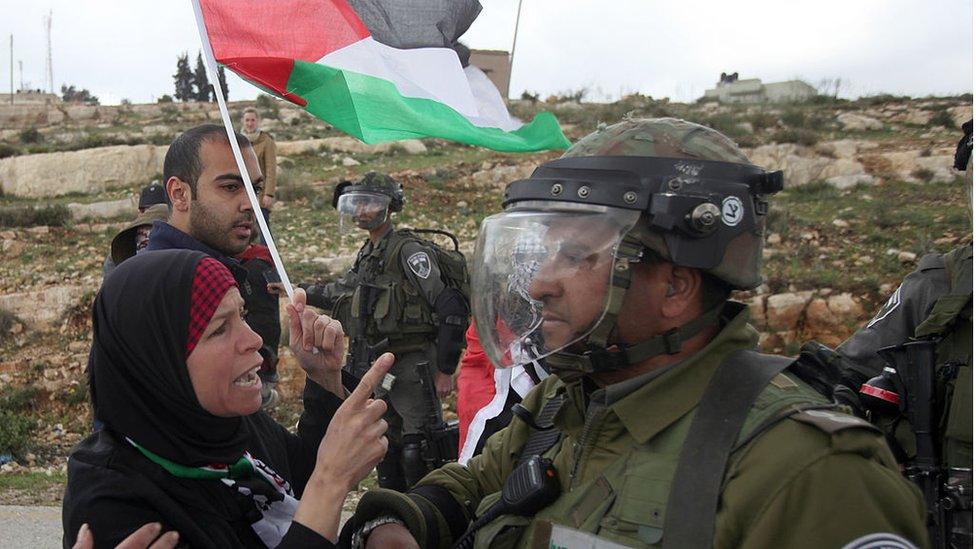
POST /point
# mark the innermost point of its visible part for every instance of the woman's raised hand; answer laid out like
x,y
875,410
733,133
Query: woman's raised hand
x,y
317,341
355,441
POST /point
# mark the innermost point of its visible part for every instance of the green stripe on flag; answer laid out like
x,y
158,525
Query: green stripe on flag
x,y
373,110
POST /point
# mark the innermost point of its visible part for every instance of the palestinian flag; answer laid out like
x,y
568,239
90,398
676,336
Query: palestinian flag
x,y
320,55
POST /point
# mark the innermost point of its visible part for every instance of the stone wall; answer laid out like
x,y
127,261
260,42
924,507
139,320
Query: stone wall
x,y
85,171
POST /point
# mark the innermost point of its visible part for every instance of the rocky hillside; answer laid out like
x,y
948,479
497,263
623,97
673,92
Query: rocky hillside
x,y
869,190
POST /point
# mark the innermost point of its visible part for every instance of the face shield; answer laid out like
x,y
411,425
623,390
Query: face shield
x,y
361,211
542,276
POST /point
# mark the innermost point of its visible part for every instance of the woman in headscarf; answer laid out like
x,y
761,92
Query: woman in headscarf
x,y
173,376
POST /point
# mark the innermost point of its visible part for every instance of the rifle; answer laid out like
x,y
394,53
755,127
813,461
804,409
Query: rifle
x,y
361,353
440,443
914,363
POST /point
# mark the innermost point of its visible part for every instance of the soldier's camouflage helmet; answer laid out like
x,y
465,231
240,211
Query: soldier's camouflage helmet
x,y
643,187
373,182
674,138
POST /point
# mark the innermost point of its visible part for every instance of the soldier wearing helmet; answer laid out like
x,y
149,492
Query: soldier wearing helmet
x,y
394,298
661,426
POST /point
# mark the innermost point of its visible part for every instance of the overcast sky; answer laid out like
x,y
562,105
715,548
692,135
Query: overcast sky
x,y
127,49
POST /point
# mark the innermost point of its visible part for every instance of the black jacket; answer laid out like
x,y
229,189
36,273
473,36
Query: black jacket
x,y
115,489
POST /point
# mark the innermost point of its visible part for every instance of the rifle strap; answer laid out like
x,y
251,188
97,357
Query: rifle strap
x,y
730,394
541,440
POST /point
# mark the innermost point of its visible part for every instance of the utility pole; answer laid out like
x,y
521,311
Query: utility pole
x,y
50,66
511,56
20,64
11,69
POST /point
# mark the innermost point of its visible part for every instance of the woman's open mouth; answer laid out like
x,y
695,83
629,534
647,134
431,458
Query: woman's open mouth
x,y
249,378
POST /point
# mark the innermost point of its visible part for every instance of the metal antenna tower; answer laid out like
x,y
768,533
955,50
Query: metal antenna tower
x,y
49,67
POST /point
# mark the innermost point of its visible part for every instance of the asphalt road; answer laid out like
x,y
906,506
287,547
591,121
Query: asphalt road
x,y
23,527
29,527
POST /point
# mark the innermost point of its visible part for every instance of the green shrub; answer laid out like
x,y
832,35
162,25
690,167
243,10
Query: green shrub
x,y
7,321
923,174
7,149
15,430
943,118
28,216
31,135
18,399
799,136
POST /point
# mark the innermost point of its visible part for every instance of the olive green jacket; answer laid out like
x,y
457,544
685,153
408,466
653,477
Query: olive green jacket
x,y
814,479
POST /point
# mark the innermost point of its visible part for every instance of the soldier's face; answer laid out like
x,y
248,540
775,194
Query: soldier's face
x,y
572,284
220,214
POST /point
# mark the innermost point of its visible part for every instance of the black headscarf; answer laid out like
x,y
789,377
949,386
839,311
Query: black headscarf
x,y
140,385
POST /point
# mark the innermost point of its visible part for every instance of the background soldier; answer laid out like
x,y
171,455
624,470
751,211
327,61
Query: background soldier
x,y
660,423
934,303
396,298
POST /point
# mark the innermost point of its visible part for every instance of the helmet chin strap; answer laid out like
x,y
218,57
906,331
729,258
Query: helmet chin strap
x,y
597,357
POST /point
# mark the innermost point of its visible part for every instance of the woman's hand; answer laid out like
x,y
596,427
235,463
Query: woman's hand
x,y
355,440
318,342
143,538
353,444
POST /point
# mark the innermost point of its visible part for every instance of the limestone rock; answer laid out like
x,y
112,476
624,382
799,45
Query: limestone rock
x,y
848,181
350,162
757,312
859,122
960,115
41,309
104,210
843,148
12,248
907,257
84,171
348,145
783,311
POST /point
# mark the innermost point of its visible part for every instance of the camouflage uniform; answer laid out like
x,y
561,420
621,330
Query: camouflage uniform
x,y
394,296
800,474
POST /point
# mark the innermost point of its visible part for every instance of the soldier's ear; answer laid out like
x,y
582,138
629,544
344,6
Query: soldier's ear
x,y
683,286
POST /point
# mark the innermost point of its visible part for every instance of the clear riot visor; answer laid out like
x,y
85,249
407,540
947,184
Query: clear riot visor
x,y
361,211
542,277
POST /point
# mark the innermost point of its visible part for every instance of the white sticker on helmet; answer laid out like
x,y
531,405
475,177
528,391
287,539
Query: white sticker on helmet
x,y
732,211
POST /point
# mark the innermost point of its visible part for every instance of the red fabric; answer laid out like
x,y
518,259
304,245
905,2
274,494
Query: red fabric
x,y
475,383
271,73
210,283
256,251
288,29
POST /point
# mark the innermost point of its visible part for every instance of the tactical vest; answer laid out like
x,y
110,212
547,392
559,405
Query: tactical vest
x,y
951,320
394,307
627,503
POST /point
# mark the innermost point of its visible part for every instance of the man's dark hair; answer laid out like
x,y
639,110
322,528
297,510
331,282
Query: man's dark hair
x,y
183,157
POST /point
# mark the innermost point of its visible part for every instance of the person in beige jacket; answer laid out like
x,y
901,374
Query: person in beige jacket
x,y
264,147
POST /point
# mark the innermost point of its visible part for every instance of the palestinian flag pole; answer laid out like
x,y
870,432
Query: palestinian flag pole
x,y
211,64
320,55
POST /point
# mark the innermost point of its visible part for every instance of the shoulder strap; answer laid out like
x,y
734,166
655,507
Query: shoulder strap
x,y
546,436
730,394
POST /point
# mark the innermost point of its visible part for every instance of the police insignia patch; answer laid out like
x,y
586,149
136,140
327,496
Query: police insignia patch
x,y
893,302
420,264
